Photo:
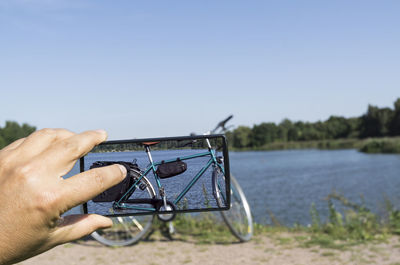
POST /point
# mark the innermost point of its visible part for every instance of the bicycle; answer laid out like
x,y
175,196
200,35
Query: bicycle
x,y
127,230
238,218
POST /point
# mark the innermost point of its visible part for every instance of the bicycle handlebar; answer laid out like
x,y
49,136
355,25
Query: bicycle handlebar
x,y
222,124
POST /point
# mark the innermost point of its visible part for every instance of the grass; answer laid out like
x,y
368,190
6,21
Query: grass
x,y
382,145
285,240
356,225
204,228
328,254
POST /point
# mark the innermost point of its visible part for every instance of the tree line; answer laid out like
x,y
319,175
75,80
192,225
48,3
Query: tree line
x,y
13,131
376,122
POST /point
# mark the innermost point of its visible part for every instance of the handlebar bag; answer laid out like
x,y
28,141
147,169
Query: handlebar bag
x,y
116,192
170,169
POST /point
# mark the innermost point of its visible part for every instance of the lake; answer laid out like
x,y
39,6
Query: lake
x,y
286,183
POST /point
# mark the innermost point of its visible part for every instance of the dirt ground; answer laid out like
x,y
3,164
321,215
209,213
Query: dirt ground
x,y
261,250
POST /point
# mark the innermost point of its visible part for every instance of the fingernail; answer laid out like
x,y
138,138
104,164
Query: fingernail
x,y
123,170
101,131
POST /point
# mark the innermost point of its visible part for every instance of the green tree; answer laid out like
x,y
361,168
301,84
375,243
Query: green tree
x,y
229,138
2,142
293,134
242,137
13,131
376,122
283,130
298,133
354,125
395,124
263,134
310,132
337,127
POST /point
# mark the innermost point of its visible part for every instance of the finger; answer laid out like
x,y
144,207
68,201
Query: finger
x,y
13,145
72,148
86,185
41,140
61,157
73,227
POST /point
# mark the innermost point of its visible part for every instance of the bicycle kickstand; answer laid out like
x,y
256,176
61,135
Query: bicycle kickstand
x,y
171,228
164,197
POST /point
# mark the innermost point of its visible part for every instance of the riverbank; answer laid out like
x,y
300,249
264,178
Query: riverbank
x,y
357,237
382,145
275,248
369,145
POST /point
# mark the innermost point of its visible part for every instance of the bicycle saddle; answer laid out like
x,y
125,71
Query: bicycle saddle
x,y
149,143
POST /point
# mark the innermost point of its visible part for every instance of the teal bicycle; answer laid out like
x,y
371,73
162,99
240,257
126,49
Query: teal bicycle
x,y
204,162
127,230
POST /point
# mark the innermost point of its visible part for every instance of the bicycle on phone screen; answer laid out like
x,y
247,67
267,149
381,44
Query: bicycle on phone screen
x,y
127,230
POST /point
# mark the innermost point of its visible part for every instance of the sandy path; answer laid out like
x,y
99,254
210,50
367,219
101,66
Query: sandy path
x,y
262,250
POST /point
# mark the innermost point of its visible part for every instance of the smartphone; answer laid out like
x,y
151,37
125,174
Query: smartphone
x,y
164,175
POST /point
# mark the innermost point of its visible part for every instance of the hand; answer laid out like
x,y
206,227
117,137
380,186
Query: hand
x,y
33,194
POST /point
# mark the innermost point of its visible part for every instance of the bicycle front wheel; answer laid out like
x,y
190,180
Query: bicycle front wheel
x,y
127,230
238,217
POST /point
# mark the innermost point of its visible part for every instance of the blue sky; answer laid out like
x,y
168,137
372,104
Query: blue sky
x,y
163,68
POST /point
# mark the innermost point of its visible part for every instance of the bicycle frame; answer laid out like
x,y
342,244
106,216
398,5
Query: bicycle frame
x,y
152,168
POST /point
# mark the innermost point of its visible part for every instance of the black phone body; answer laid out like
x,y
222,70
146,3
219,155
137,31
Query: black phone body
x,y
165,175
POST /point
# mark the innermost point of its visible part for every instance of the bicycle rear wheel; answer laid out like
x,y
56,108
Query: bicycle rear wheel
x,y
127,230
238,217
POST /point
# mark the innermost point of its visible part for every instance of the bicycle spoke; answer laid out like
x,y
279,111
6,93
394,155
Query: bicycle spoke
x,y
137,223
238,218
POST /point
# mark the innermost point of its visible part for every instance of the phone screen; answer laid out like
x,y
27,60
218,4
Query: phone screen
x,y
174,174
